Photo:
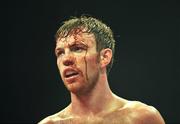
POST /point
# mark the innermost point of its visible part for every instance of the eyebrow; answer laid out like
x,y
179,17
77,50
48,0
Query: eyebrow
x,y
75,42
59,48
71,45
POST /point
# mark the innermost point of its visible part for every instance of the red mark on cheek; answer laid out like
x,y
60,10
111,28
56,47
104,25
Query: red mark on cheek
x,y
75,34
86,65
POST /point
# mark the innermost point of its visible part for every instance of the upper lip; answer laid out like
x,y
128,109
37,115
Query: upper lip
x,y
69,70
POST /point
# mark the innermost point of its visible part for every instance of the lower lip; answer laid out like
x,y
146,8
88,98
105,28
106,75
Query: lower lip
x,y
72,78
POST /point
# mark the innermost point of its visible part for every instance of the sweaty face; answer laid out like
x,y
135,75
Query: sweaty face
x,y
78,62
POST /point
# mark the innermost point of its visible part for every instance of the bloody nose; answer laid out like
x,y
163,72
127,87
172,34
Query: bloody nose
x,y
68,62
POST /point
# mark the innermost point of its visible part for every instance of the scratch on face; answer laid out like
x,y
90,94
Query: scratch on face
x,y
86,65
75,35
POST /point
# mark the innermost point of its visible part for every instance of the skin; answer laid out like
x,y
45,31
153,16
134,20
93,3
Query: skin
x,y
92,101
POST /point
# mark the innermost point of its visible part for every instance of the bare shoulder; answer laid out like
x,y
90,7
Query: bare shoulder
x,y
144,114
51,119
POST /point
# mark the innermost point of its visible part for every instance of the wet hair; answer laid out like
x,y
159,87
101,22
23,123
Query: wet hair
x,y
103,34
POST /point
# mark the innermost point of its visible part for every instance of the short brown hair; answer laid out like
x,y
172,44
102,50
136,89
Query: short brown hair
x,y
103,34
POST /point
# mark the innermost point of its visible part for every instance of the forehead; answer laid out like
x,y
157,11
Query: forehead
x,y
86,38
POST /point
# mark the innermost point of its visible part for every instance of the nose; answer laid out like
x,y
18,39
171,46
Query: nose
x,y
68,60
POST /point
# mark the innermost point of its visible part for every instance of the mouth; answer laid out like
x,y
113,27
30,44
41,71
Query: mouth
x,y
70,73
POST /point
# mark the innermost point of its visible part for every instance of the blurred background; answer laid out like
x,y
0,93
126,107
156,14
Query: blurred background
x,y
147,57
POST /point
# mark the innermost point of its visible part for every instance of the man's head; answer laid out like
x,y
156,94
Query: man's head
x,y
84,50
103,34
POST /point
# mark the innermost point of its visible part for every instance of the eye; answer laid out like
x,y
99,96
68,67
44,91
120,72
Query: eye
x,y
78,48
59,53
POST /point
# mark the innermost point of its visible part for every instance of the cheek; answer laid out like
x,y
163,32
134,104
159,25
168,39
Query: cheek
x,y
91,62
59,65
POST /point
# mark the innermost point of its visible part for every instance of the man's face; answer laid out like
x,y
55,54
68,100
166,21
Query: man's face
x,y
78,62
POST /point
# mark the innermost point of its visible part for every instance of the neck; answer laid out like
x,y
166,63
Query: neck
x,y
93,102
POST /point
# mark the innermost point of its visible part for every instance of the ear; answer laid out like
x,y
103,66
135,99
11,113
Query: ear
x,y
105,57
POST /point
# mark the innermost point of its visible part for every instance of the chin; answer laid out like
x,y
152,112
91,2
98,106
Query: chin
x,y
74,87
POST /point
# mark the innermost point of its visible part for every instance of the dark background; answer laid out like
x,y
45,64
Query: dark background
x,y
146,65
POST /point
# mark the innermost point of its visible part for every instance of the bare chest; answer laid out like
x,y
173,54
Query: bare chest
x,y
112,119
